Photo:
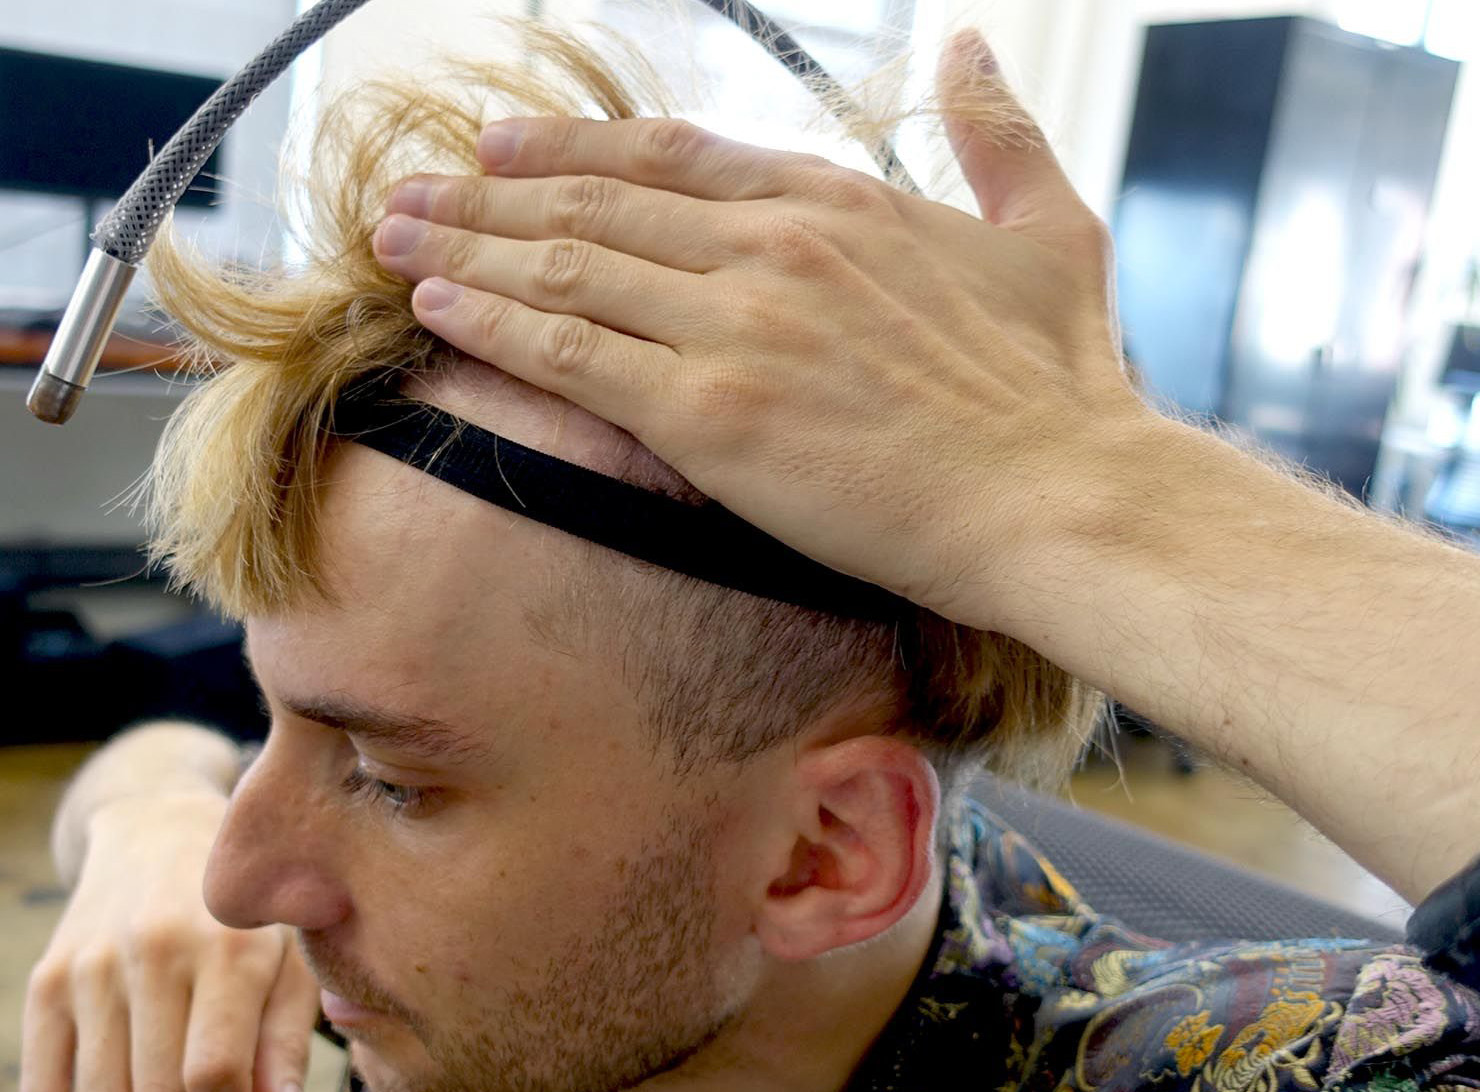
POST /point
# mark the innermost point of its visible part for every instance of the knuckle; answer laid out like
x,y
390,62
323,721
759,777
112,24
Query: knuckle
x,y
757,310
49,985
250,953
459,251
1100,242
725,393
569,342
667,143
96,967
214,1071
562,266
580,205
853,192
463,201
1085,235
768,319
159,943
810,165
797,242
561,138
487,321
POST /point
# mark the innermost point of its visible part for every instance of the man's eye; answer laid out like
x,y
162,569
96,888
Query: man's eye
x,y
402,799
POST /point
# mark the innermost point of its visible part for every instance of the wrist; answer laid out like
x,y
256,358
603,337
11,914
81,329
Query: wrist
x,y
1040,542
162,809
175,822
145,766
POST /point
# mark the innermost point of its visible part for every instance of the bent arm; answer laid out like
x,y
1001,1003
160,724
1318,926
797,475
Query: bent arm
x,y
1324,650
153,759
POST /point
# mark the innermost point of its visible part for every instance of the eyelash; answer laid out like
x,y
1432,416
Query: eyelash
x,y
399,799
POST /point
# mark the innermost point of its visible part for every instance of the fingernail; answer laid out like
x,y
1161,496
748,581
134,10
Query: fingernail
x,y
435,294
291,1086
400,235
499,141
413,197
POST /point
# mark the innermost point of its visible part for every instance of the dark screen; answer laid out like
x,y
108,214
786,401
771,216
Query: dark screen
x,y
83,128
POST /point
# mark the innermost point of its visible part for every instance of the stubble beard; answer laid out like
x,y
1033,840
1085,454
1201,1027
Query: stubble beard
x,y
613,1009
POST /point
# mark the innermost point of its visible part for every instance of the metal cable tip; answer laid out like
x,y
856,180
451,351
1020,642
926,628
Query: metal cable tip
x,y
53,400
81,336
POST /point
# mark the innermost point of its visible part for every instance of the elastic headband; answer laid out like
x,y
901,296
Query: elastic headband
x,y
706,541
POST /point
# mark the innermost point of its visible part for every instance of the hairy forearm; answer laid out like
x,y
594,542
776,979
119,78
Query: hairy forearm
x,y
1325,651
161,758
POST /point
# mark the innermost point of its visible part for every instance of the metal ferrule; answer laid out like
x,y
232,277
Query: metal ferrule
x,y
79,341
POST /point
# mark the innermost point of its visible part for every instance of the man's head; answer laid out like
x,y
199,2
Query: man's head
x,y
552,818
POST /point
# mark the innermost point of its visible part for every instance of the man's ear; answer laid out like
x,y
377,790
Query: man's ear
x,y
865,813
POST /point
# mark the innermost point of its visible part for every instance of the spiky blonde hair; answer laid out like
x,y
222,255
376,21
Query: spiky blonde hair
x,y
235,487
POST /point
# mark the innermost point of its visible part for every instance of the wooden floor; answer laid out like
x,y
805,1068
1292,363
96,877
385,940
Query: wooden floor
x,y
1207,808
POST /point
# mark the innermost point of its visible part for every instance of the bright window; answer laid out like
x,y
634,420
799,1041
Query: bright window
x,y
1449,28
1454,29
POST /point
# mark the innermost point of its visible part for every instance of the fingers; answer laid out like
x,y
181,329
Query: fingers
x,y
568,276
226,1015
48,1037
1017,181
662,153
613,375
102,1022
287,1026
671,229
160,1009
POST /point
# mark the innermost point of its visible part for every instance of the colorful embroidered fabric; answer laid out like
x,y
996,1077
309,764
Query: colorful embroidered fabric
x,y
1027,989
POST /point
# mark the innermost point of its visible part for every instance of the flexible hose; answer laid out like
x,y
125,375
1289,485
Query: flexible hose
x,y
128,231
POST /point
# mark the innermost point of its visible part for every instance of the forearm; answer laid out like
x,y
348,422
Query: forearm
x,y
1324,651
162,757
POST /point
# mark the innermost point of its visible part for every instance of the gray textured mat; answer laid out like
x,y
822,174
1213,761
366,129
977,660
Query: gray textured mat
x,y
1165,890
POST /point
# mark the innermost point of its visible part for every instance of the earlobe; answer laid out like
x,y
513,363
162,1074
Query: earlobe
x,y
865,834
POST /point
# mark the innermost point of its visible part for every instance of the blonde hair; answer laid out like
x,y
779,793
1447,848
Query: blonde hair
x,y
235,486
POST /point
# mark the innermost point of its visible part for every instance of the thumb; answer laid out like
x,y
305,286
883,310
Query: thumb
x,y
1003,154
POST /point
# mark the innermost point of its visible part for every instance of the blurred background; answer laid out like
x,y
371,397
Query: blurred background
x,y
1291,186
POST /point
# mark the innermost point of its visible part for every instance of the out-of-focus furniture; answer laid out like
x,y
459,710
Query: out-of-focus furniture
x,y
1276,191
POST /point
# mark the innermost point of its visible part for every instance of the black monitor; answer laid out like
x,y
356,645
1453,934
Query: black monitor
x,y
84,128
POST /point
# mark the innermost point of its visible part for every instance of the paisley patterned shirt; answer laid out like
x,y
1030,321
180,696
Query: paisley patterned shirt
x,y
1027,989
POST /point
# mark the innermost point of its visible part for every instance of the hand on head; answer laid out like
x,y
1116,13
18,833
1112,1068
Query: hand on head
x,y
794,337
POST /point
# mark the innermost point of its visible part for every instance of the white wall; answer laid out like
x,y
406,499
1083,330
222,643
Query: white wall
x,y
58,483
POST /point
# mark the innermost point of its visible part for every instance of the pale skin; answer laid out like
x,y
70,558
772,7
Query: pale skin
x,y
979,451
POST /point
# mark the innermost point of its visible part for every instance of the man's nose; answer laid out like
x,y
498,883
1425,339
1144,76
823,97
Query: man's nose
x,y
273,859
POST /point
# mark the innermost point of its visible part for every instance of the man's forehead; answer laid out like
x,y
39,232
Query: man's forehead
x,y
525,414
397,534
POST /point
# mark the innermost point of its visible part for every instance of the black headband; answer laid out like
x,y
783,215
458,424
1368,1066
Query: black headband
x,y
706,541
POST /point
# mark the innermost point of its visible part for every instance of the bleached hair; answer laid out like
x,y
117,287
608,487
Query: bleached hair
x,y
235,488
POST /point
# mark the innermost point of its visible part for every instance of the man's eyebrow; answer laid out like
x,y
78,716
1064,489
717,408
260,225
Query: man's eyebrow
x,y
422,737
